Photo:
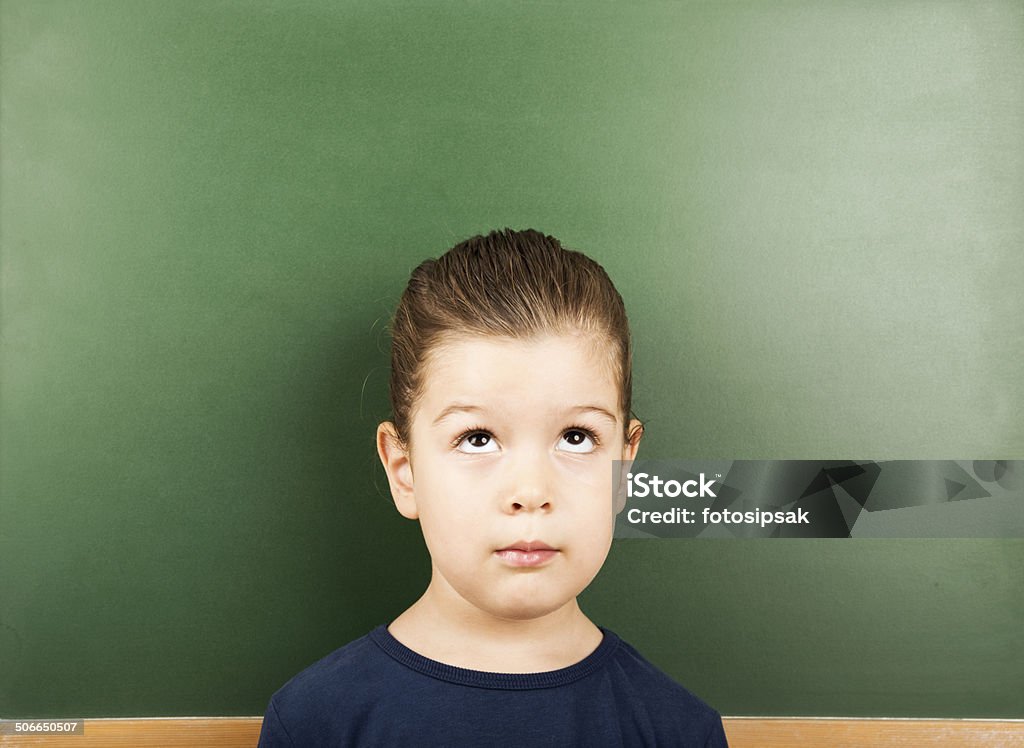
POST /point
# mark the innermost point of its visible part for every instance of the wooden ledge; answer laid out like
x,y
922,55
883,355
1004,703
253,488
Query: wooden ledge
x,y
842,732
151,732
743,732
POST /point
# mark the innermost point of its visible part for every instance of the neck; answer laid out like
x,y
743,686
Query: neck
x,y
443,626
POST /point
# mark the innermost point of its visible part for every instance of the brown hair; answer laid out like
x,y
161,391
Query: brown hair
x,y
515,284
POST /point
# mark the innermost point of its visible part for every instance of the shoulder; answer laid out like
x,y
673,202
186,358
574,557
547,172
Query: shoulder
x,y
669,705
331,697
343,670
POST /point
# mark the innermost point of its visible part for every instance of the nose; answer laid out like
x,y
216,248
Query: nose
x,y
530,487
528,500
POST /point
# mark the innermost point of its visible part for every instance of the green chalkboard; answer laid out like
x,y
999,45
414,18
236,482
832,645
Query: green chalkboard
x,y
814,212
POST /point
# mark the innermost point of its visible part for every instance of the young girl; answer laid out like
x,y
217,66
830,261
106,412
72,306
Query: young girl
x,y
511,389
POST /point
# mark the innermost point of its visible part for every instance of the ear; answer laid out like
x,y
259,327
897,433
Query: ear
x,y
635,432
398,465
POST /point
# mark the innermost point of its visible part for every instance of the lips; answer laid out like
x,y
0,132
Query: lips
x,y
528,545
526,553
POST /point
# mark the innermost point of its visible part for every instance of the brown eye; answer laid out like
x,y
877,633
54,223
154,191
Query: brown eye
x,y
477,442
579,441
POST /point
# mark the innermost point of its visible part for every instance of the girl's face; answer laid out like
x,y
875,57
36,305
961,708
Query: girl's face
x,y
511,471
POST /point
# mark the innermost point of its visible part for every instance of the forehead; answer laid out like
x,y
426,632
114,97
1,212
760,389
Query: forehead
x,y
520,375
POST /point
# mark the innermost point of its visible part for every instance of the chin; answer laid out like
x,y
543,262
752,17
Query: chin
x,y
527,608
524,614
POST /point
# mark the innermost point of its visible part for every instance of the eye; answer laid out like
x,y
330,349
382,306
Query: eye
x,y
476,442
579,440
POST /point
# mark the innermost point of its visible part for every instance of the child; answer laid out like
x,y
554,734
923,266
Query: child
x,y
511,388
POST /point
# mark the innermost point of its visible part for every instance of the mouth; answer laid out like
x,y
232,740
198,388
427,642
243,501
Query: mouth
x,y
524,553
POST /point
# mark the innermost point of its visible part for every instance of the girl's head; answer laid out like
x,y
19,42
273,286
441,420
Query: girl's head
x,y
510,380
508,284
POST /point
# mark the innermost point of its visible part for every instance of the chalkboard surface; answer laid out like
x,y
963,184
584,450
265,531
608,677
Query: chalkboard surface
x,y
208,210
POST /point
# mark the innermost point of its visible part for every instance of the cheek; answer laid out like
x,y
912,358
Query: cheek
x,y
449,507
593,554
594,524
594,488
601,529
592,480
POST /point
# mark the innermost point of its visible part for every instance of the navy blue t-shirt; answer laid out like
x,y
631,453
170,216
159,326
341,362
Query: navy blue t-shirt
x,y
375,691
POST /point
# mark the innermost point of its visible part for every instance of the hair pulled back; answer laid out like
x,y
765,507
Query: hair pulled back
x,y
513,284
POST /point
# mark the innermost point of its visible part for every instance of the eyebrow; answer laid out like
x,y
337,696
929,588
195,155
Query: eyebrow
x,y
579,409
457,408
